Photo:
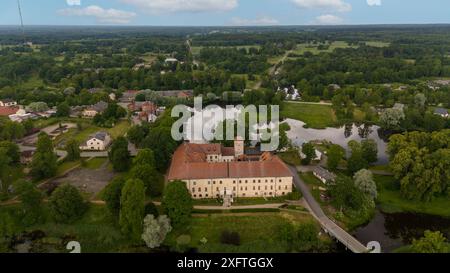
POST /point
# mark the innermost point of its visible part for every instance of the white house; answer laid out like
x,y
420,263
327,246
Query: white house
x,y
98,142
8,102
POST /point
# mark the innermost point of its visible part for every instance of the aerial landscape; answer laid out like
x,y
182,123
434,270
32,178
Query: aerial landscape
x,y
90,109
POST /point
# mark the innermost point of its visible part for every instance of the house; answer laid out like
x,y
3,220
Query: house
x,y
7,102
182,94
112,96
324,175
98,142
129,96
211,171
441,112
171,60
95,109
6,111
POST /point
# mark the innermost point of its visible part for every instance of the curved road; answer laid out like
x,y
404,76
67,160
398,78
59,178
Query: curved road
x,y
329,226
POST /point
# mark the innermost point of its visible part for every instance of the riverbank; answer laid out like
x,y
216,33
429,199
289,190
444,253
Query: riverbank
x,y
391,201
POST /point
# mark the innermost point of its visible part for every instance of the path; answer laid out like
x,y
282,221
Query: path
x,y
329,226
273,69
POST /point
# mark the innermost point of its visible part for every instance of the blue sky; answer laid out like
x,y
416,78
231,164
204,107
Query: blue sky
x,y
224,12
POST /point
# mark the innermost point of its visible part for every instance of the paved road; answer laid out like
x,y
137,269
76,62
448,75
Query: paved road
x,y
332,228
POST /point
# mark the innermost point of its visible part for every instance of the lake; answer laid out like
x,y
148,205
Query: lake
x,y
340,136
399,229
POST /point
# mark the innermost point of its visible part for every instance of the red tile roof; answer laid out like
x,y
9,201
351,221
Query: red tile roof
x,y
6,111
189,162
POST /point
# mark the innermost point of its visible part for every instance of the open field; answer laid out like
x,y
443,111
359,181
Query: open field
x,y
315,116
391,201
88,129
196,49
258,231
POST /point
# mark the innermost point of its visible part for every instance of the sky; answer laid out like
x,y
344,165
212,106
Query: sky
x,y
224,12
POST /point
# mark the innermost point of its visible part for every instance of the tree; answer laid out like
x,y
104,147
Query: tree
x,y
369,150
31,199
11,150
6,231
153,180
44,160
155,230
177,203
335,154
306,238
119,155
356,161
309,151
365,182
63,109
145,157
390,118
5,170
37,107
132,203
112,195
345,194
73,150
66,204
432,242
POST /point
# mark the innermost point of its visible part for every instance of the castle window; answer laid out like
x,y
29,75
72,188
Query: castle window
x,y
206,189
193,189
200,196
199,189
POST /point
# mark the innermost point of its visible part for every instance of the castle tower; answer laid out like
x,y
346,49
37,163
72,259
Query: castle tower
x,y
238,146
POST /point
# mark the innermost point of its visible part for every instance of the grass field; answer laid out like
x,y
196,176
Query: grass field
x,y
315,116
95,163
391,201
291,158
258,231
88,129
377,44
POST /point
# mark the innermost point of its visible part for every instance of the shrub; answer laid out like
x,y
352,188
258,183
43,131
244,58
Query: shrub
x,y
230,238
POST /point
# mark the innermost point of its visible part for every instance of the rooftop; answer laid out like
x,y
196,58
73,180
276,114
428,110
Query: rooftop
x,y
189,162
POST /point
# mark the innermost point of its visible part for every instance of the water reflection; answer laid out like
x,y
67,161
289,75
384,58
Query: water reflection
x,y
341,136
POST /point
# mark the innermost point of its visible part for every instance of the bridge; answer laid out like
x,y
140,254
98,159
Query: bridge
x,y
327,224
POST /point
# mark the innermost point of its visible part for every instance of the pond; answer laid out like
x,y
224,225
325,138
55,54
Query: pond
x,y
340,136
399,229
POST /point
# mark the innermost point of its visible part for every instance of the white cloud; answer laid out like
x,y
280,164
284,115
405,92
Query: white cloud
x,y
328,19
73,2
333,5
158,6
260,21
374,2
104,16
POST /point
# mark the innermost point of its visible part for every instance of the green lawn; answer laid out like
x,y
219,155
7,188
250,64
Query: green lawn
x,y
291,158
258,231
89,129
314,115
95,163
65,166
377,44
391,201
